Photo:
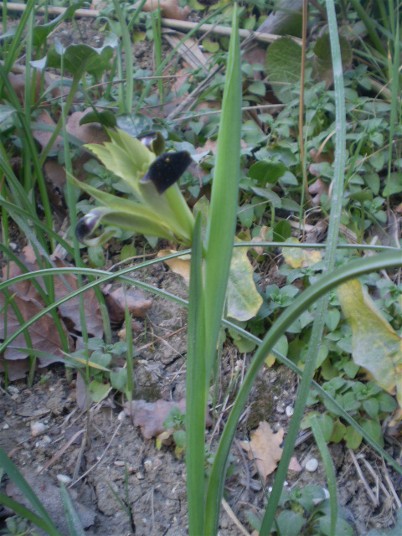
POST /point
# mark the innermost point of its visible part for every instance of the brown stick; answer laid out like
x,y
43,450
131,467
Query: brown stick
x,y
52,10
169,23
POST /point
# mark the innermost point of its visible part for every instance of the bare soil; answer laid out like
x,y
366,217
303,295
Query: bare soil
x,y
120,482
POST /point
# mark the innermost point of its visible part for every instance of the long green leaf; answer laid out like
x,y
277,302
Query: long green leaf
x,y
222,212
16,477
329,471
221,228
196,401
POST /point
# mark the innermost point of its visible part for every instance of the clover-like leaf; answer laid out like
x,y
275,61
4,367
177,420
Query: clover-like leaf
x,y
79,59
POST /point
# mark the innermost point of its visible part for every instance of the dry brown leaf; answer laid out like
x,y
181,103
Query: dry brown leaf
x,y
137,303
44,337
43,131
28,302
261,237
51,499
178,265
170,9
18,80
264,448
16,370
55,173
87,133
150,416
70,310
294,465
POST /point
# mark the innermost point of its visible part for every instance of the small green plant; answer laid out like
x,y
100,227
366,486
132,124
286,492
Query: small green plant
x,y
175,425
366,402
303,510
102,368
18,526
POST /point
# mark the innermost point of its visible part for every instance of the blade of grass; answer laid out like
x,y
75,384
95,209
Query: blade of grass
x,y
128,89
16,477
370,27
224,198
394,65
27,514
157,38
73,520
196,400
220,231
329,471
18,41
329,263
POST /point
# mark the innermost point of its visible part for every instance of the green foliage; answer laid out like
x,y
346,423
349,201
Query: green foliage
x,y
366,402
175,423
100,368
304,510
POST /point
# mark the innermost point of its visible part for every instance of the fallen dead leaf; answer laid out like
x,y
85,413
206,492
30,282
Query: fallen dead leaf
x,y
178,265
300,258
87,133
262,237
49,496
18,80
70,310
43,130
264,448
317,189
150,416
294,465
24,300
135,300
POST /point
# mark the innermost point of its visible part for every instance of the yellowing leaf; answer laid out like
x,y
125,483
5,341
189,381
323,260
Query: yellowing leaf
x,y
243,299
264,448
178,265
375,344
298,257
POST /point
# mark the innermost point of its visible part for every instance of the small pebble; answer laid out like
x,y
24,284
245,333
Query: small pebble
x,y
280,408
140,476
64,479
37,428
311,465
121,416
43,442
6,426
119,463
148,464
13,390
289,411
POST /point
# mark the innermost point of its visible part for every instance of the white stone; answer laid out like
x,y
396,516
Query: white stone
x,y
289,411
37,428
312,465
64,479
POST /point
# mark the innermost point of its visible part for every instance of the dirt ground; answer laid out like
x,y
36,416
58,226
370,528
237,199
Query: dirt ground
x,y
120,482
